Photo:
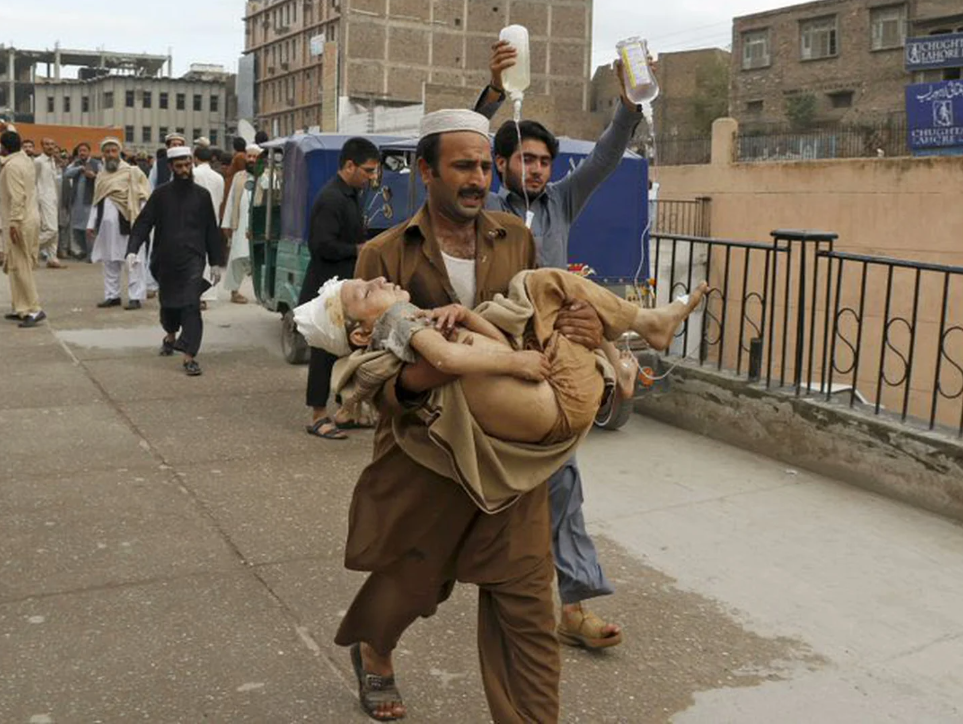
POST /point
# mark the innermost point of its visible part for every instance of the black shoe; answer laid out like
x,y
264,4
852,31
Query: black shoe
x,y
109,303
13,317
132,304
167,348
32,320
192,368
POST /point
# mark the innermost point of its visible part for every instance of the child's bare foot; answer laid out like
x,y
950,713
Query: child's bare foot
x,y
626,374
663,322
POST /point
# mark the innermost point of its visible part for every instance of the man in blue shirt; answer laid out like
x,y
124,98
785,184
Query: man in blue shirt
x,y
550,209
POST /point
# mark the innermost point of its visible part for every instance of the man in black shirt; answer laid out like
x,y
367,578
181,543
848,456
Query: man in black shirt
x,y
337,232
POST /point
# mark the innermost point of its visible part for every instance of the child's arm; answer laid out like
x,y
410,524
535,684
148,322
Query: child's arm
x,y
446,318
459,360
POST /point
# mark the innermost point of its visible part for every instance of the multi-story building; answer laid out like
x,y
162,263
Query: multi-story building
x,y
341,64
833,60
146,108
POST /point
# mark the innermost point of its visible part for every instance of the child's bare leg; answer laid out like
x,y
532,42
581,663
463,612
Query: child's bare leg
x,y
626,368
658,326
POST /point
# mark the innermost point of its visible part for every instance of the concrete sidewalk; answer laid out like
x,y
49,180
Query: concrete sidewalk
x,y
170,551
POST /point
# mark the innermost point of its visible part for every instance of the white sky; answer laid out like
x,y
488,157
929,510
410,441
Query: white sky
x,y
212,31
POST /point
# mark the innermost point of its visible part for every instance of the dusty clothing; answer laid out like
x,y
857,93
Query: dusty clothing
x,y
444,435
18,207
418,532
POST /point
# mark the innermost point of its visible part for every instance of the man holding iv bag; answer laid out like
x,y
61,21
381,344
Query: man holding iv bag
x,y
550,209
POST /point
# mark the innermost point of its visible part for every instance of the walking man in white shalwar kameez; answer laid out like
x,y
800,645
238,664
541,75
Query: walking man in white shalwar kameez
x,y
48,199
235,223
206,177
120,192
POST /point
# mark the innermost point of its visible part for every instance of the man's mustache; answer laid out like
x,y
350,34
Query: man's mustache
x,y
476,191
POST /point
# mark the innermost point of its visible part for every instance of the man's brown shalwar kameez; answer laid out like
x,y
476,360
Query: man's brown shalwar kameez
x,y
418,532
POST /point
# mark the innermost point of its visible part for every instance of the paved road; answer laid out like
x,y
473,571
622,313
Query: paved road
x,y
170,551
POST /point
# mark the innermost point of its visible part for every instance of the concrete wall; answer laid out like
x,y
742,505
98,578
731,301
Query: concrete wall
x,y
908,208
917,467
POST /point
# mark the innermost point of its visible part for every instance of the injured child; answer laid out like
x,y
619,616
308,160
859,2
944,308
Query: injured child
x,y
524,396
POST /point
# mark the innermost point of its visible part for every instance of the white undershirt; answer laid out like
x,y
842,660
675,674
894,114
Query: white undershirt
x,y
461,274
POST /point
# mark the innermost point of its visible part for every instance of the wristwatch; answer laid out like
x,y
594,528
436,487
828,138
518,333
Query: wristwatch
x,y
499,91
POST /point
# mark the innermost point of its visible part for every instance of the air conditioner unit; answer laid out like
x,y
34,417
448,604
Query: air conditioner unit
x,y
271,69
291,102
265,23
285,65
282,29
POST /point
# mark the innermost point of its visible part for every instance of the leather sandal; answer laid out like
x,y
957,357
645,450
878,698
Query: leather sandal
x,y
374,690
584,628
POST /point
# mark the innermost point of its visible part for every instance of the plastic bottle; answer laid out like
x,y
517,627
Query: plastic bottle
x,y
515,80
640,84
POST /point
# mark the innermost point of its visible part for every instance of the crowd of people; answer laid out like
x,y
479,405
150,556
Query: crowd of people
x,y
84,205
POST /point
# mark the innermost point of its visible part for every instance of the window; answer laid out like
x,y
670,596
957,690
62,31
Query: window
x,y
755,49
198,102
179,130
213,137
162,101
66,104
195,134
841,99
145,134
214,103
754,106
129,99
108,99
147,99
818,38
50,104
181,101
128,134
85,104
889,27
162,133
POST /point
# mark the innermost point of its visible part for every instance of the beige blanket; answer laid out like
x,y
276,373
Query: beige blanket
x,y
444,437
127,187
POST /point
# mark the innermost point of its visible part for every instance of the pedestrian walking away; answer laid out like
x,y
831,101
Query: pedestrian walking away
x,y
20,219
186,237
550,209
206,177
336,234
235,225
120,192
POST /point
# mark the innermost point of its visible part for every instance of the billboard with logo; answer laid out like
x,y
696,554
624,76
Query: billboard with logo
x,y
934,51
934,112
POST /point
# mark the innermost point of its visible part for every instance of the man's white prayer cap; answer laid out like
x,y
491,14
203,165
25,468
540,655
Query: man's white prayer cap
x,y
111,141
173,137
321,321
252,148
454,120
178,152
203,142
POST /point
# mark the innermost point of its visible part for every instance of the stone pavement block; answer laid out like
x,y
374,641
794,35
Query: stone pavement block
x,y
203,648
219,428
31,379
68,440
67,532
284,507
148,376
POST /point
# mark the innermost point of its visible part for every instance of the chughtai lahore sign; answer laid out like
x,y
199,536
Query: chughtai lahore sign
x,y
934,51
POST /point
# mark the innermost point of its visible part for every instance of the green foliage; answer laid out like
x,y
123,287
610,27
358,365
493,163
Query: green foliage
x,y
801,110
712,94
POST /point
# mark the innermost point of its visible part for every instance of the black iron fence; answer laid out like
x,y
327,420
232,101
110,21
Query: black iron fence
x,y
675,151
878,333
887,138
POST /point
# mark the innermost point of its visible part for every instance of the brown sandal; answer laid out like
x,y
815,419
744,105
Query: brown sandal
x,y
586,630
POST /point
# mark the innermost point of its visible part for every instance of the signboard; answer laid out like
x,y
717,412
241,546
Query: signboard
x,y
934,112
317,45
934,51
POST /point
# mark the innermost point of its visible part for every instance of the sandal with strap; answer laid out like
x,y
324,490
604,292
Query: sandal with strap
x,y
375,691
335,433
586,630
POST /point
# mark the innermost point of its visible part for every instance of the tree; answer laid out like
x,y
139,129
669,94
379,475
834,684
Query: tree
x,y
711,100
801,110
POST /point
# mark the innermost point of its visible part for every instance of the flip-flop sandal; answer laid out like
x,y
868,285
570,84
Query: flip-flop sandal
x,y
374,690
588,633
333,434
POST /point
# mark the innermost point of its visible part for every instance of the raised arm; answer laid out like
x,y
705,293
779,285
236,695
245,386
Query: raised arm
x,y
493,95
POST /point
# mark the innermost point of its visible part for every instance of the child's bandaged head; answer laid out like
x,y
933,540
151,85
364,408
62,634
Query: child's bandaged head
x,y
322,321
